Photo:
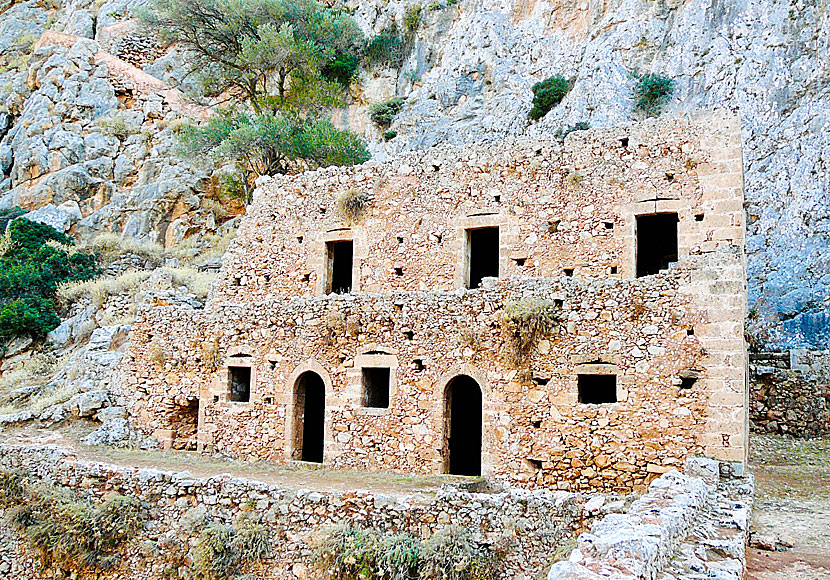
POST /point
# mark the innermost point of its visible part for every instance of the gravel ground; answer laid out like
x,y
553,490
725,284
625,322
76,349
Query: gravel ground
x,y
792,503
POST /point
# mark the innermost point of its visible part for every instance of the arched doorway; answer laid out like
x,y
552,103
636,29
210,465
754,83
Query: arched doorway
x,y
462,426
309,417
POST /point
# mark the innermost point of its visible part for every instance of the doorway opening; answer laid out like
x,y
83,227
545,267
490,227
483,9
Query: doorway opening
x,y
462,430
309,417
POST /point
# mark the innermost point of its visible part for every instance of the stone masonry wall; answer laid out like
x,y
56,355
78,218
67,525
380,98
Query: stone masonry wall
x,y
790,393
674,340
530,524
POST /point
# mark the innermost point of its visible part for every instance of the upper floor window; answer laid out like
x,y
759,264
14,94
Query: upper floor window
x,y
656,242
482,255
339,262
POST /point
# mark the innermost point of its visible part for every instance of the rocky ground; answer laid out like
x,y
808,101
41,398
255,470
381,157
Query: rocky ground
x,y
792,508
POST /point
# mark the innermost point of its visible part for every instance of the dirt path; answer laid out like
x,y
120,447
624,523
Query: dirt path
x,y
295,476
793,503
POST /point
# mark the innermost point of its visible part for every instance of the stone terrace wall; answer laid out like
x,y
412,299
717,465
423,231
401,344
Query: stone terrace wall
x,y
790,393
557,207
534,428
531,523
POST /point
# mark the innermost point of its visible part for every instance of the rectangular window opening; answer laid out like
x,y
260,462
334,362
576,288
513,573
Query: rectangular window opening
x,y
656,242
597,389
482,255
376,387
239,384
340,259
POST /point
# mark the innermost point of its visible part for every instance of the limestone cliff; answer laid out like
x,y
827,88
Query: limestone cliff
x,y
72,131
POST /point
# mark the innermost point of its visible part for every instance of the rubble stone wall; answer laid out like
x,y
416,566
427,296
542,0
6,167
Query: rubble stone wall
x,y
790,393
529,524
674,340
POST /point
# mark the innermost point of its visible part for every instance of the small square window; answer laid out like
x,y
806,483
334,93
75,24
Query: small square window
x,y
376,387
239,384
597,389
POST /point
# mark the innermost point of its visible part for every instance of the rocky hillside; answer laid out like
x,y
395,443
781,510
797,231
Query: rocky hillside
x,y
90,112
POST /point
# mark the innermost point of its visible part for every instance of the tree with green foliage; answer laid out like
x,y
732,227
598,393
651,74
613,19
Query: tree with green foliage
x,y
282,64
547,94
33,262
652,92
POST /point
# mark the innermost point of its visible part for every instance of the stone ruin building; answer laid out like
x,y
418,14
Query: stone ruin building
x,y
561,315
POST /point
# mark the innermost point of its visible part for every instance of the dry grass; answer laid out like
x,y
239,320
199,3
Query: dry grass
x,y
37,370
195,281
110,247
527,321
100,289
351,204
195,249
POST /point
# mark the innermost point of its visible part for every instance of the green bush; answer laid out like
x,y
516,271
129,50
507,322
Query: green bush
x,y
563,132
652,92
32,315
34,261
388,48
450,554
66,530
342,68
7,215
412,19
389,135
384,113
547,94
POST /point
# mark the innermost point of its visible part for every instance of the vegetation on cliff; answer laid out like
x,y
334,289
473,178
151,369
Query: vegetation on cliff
x,y
34,259
279,65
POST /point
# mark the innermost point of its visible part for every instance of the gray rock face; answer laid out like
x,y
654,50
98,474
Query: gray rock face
x,y
474,65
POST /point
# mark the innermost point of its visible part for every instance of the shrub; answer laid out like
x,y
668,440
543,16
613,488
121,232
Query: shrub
x,y
450,554
389,135
109,247
351,203
222,551
563,132
9,214
384,113
31,315
66,530
35,259
341,69
652,92
388,48
100,289
547,94
412,19
527,321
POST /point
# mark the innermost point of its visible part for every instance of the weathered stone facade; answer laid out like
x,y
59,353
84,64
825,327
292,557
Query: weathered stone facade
x,y
637,373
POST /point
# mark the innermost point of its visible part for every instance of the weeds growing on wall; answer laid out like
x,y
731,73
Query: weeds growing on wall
x,y
351,204
528,321
547,94
652,92
346,553
382,114
66,530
